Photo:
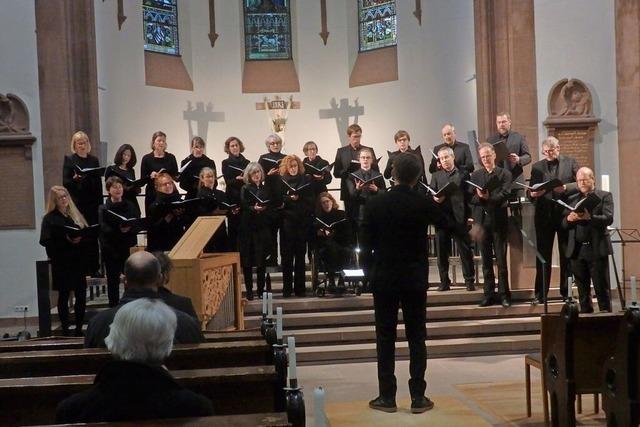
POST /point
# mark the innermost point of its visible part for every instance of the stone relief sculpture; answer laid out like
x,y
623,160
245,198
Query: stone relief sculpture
x,y
14,117
570,98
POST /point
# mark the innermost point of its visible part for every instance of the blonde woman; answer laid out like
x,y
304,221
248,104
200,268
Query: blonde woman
x,y
67,253
85,187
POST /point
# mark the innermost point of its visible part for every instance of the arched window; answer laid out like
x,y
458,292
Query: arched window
x,y
267,29
160,18
377,24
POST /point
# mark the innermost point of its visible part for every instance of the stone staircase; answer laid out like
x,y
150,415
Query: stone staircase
x,y
340,329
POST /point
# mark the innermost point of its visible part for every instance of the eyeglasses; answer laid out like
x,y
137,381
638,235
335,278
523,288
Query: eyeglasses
x,y
550,150
274,143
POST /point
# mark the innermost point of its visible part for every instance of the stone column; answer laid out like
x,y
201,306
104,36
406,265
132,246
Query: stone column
x,y
627,17
67,76
506,82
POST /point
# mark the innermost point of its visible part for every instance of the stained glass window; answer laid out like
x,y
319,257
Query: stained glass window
x,y
160,19
377,24
267,29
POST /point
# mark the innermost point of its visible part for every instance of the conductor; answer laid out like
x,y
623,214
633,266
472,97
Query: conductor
x,y
394,256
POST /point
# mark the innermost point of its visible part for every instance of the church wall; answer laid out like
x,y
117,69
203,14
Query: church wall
x,y
574,41
436,68
19,75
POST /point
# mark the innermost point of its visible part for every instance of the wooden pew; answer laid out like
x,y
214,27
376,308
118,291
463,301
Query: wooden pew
x,y
241,390
66,343
621,399
89,360
577,347
274,419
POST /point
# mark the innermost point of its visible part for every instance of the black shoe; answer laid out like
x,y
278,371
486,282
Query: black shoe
x,y
383,404
535,301
444,287
486,302
471,286
421,404
506,302
250,295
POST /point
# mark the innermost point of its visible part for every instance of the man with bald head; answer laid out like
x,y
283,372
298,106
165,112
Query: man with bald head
x,y
142,277
589,246
461,151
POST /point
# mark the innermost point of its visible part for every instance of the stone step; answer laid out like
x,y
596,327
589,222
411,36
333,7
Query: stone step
x,y
438,348
351,302
364,317
435,330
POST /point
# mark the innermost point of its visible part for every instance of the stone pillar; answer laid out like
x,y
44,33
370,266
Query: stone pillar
x,y
627,17
67,76
506,82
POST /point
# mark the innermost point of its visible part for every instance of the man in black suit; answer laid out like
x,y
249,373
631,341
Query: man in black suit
x,y
589,245
461,151
394,257
454,205
549,214
347,161
490,223
142,276
519,155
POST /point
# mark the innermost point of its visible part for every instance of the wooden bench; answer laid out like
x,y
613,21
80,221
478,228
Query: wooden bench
x,y
67,343
621,399
578,346
90,360
274,419
240,390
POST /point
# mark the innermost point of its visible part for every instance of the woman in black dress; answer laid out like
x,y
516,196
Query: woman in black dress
x,y
68,254
270,163
255,227
297,208
117,234
123,163
333,237
214,202
82,177
166,222
317,168
189,177
152,163
232,171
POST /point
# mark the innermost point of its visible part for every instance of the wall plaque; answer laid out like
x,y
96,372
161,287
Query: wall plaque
x,y
571,120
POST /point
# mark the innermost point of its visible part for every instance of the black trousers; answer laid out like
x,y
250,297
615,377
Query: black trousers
x,y
233,222
293,248
587,270
545,234
78,285
463,241
386,304
114,264
495,242
248,279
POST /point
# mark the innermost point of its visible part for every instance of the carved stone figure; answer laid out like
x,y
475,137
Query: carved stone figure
x,y
570,98
13,115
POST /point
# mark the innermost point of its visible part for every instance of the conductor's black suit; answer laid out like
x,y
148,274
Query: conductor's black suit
x,y
394,257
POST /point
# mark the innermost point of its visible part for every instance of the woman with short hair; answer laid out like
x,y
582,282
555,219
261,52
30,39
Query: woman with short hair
x,y
159,159
123,162
232,171
317,168
255,227
166,222
136,385
193,164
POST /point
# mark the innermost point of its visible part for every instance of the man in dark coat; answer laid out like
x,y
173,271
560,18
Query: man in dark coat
x,y
142,276
519,155
348,161
461,151
549,214
454,205
489,205
394,256
589,245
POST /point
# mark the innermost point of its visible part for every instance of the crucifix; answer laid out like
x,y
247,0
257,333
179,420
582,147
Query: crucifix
x,y
418,12
277,112
341,114
324,33
213,36
202,116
